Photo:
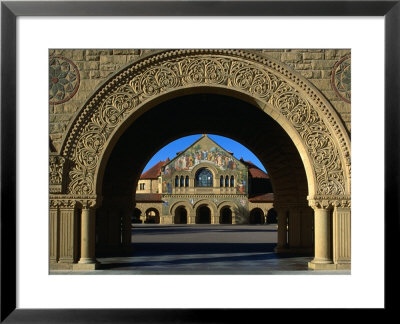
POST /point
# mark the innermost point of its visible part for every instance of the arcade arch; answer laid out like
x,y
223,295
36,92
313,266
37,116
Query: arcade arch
x,y
152,216
256,216
225,216
286,111
181,215
203,215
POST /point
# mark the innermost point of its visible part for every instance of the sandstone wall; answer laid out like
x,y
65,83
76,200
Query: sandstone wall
x,y
95,66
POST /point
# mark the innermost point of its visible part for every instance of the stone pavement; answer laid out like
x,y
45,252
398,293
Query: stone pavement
x,y
203,249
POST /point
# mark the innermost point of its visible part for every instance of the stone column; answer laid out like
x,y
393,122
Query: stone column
x,y
54,237
68,234
88,238
266,215
342,235
322,228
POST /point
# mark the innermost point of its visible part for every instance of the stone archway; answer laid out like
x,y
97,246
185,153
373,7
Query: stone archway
x,y
256,216
203,215
293,102
152,216
181,215
225,216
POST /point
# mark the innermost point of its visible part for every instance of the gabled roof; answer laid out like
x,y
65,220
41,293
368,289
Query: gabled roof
x,y
154,172
203,137
255,171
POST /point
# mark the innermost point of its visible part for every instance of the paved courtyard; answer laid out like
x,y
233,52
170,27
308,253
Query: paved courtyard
x,y
204,249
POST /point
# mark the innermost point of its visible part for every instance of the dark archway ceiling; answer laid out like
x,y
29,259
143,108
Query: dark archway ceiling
x,y
211,114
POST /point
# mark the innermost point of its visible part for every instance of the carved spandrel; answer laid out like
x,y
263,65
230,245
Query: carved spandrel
x,y
162,75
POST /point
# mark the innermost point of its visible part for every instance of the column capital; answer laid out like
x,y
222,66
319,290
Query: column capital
x,y
71,201
64,203
326,202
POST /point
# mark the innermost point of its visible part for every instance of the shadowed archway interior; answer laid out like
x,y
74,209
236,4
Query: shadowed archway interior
x,y
192,114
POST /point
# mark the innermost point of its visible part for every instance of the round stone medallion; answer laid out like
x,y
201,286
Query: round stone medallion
x,y
63,80
341,78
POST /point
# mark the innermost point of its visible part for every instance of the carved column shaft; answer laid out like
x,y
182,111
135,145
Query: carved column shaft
x,y
54,235
322,225
68,235
341,235
88,232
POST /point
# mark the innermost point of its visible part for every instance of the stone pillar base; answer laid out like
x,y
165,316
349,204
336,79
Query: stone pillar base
x,y
87,260
329,266
61,266
85,266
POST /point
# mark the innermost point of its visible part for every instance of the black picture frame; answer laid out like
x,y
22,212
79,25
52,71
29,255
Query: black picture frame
x,y
10,10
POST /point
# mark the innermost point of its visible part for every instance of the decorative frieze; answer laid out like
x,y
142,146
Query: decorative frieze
x,y
73,201
268,81
329,201
56,173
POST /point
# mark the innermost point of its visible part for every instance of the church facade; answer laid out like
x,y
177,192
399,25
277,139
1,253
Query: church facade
x,y
204,184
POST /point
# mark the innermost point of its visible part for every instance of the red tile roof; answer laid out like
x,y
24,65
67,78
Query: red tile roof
x,y
154,172
255,171
268,197
148,197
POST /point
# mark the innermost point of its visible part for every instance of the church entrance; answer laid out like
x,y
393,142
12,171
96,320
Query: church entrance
x,y
203,215
225,216
180,215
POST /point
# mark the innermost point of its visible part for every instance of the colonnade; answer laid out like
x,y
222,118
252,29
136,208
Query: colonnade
x,y
324,225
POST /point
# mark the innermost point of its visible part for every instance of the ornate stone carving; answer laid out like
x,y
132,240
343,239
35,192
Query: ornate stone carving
x,y
243,71
63,80
329,201
71,201
56,176
341,78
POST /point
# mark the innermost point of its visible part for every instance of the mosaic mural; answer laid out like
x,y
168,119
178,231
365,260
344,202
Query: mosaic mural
x,y
202,152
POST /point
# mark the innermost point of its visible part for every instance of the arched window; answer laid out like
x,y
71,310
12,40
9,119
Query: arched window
x,y
232,181
187,181
221,181
182,181
227,181
204,178
176,181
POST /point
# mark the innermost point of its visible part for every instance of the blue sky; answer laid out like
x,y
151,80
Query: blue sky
x,y
182,143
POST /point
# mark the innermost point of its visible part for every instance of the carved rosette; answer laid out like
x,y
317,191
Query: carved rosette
x,y
56,173
238,70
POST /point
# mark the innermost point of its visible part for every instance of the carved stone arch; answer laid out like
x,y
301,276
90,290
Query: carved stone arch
x,y
303,112
178,204
209,203
230,204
